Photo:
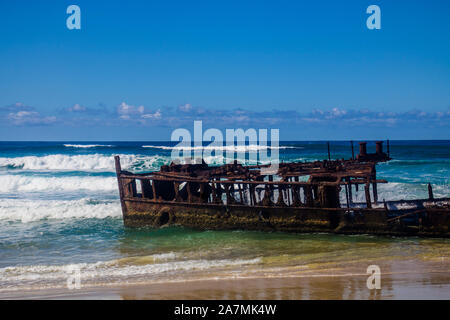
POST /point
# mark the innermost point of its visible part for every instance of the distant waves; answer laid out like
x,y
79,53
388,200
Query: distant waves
x,y
89,145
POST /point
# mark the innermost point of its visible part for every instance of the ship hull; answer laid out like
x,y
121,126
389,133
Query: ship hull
x,y
427,222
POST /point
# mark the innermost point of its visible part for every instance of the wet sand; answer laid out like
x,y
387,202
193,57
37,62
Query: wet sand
x,y
394,285
408,270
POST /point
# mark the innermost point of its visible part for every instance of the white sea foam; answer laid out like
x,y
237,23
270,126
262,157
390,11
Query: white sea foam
x,y
102,163
23,183
34,210
399,191
245,148
88,145
107,272
88,162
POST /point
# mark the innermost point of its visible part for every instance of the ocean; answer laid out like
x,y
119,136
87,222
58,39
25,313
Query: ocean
x,y
59,209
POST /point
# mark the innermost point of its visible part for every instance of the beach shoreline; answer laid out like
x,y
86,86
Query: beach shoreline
x,y
397,285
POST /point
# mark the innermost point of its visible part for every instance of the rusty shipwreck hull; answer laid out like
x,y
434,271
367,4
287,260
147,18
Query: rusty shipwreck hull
x,y
138,213
234,197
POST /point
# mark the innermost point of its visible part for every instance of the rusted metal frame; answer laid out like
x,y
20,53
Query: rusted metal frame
x,y
119,182
374,186
375,192
406,215
237,205
219,191
252,189
296,200
249,193
258,191
176,187
288,191
350,193
188,188
202,192
145,184
129,186
280,201
154,190
253,182
228,194
232,193
346,195
430,192
169,175
267,199
241,195
367,193
309,200
356,182
214,194
271,186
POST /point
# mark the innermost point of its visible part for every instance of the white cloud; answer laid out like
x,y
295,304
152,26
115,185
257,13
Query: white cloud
x,y
77,108
155,116
127,111
16,107
185,108
30,118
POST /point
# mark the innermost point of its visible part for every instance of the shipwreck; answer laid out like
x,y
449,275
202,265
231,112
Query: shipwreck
x,y
317,196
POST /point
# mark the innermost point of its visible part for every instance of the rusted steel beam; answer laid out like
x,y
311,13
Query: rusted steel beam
x,y
252,194
430,192
406,215
221,205
350,194
367,193
363,149
154,190
355,181
375,192
146,188
189,191
214,194
119,182
307,189
237,171
346,196
176,187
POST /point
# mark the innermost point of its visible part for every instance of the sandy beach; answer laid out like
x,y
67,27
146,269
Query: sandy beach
x,y
427,281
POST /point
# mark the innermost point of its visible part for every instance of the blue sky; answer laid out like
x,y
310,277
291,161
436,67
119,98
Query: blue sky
x,y
138,69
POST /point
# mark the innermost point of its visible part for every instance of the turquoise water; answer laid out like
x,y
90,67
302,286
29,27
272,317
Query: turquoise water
x,y
59,207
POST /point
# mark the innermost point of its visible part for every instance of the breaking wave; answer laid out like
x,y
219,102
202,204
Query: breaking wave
x,y
245,148
88,162
88,145
34,210
105,163
416,161
400,191
105,272
23,183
